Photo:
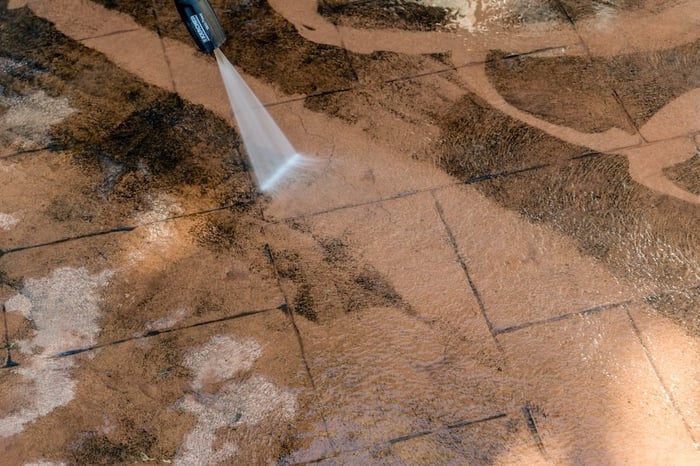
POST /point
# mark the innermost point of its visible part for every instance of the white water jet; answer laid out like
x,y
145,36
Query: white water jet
x,y
271,155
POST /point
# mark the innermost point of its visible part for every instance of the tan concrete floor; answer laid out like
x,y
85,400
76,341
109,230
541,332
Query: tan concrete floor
x,y
387,305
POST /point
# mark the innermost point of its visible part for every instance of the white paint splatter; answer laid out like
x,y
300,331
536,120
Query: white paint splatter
x,y
45,463
26,123
154,223
221,359
162,208
7,221
464,11
65,309
167,322
21,304
249,401
479,15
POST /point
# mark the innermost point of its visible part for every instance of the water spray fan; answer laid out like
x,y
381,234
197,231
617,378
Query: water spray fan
x,y
271,155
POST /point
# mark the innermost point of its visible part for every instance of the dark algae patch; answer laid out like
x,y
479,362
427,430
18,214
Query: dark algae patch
x,y
580,92
303,303
687,174
477,141
569,91
375,14
98,449
267,46
644,237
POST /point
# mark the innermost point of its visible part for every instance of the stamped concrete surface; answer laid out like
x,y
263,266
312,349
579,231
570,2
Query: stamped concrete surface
x,y
493,257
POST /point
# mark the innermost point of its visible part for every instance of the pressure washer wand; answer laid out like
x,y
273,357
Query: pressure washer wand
x,y
271,156
201,21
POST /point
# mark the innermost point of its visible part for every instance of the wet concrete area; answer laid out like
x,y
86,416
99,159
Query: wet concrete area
x,y
494,259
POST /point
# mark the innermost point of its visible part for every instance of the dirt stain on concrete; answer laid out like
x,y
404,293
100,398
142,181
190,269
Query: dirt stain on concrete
x,y
324,280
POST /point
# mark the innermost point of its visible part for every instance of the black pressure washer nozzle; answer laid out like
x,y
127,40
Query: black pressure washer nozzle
x,y
201,21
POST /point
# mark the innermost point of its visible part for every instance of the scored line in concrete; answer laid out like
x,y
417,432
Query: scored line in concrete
x,y
168,63
290,313
532,427
8,347
463,265
591,310
455,425
107,34
24,152
406,437
400,195
300,341
155,333
567,15
664,385
123,229
412,76
628,115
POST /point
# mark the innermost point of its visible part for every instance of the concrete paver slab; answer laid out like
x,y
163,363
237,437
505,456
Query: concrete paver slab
x,y
505,261
595,396
38,189
112,33
405,240
382,374
139,277
502,441
676,358
146,57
